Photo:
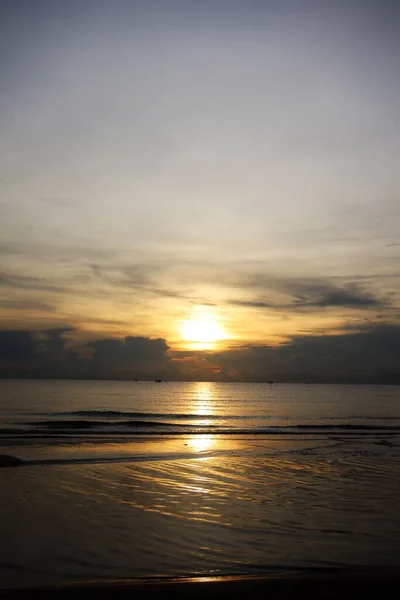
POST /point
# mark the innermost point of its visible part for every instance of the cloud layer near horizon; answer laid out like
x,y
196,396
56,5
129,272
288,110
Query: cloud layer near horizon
x,y
369,355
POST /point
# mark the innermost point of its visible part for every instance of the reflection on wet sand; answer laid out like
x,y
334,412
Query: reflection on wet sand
x,y
204,442
238,505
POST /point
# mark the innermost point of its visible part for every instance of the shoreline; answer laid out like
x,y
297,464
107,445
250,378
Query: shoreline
x,y
325,583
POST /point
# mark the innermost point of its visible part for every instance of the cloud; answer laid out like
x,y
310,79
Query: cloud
x,y
54,353
255,304
17,346
52,340
327,295
313,294
26,304
123,275
9,249
42,353
132,356
142,277
27,282
370,354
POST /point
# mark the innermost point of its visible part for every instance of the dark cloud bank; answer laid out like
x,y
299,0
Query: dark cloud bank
x,y
369,355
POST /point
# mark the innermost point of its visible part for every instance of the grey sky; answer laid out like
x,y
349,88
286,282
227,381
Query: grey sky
x,y
213,148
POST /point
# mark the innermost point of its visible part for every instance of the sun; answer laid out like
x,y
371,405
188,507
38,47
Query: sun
x,y
202,328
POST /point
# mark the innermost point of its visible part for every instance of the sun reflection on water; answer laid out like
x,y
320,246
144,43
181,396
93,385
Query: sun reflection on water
x,y
203,406
203,399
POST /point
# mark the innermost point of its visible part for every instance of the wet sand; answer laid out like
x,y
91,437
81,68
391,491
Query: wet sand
x,y
111,512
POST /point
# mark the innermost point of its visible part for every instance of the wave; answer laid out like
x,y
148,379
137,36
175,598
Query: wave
x,y
120,414
347,426
139,414
96,424
11,461
81,424
140,426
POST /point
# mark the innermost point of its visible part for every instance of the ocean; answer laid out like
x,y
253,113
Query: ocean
x,y
122,480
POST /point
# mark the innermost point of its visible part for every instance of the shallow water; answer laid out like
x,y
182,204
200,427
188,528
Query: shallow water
x,y
103,505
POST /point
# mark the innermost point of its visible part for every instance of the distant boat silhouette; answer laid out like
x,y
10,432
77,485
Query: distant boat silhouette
x,y
158,381
271,382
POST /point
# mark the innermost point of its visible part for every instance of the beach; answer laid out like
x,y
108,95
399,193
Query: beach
x,y
115,507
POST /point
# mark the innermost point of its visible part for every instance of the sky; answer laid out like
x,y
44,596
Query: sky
x,y
201,190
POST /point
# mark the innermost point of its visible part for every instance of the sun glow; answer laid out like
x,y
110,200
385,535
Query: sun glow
x,y
202,328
